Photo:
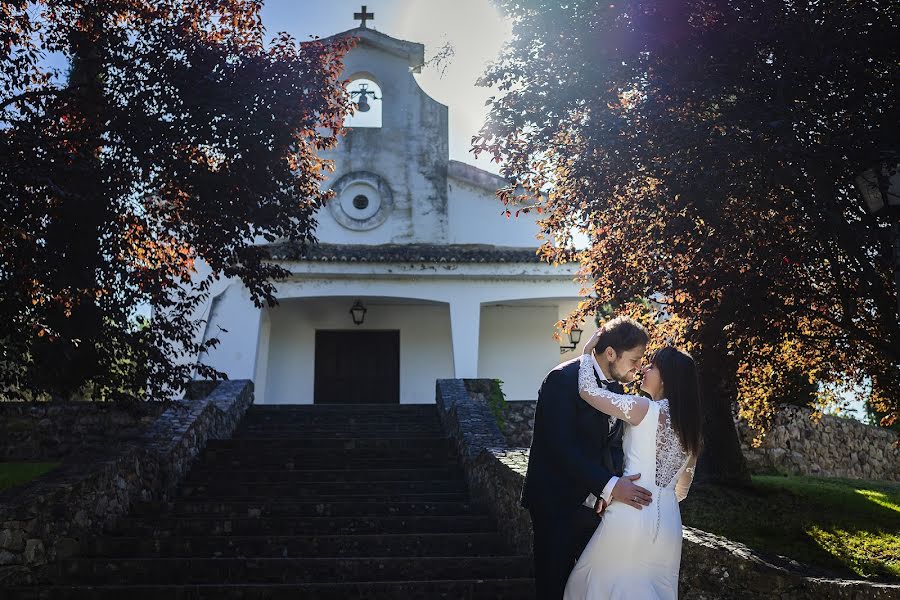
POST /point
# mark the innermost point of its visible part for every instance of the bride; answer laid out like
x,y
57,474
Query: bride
x,y
636,554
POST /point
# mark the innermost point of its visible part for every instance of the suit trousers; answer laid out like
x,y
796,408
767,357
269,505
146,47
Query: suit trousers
x,y
559,538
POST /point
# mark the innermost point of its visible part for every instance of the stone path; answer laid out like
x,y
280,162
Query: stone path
x,y
324,502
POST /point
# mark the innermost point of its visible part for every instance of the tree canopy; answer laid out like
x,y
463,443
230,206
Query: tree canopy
x,y
177,135
708,150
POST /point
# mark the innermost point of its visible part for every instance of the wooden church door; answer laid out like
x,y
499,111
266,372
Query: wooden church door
x,y
357,367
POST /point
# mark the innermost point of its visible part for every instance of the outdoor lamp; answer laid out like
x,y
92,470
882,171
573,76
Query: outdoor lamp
x,y
574,339
358,312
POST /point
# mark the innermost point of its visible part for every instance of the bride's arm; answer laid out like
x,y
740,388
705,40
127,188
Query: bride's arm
x,y
632,409
685,479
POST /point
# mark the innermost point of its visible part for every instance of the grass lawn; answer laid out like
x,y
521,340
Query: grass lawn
x,y
848,527
17,473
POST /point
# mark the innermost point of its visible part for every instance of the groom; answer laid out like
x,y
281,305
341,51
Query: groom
x,y
576,453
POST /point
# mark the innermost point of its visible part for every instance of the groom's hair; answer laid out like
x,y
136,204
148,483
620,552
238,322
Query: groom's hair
x,y
622,333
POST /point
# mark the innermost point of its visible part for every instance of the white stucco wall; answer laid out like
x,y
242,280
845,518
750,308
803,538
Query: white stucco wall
x,y
425,352
475,217
517,347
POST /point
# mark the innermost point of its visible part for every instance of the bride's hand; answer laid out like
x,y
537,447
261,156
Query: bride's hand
x,y
592,343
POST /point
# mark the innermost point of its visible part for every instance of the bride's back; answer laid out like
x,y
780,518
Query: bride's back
x,y
652,448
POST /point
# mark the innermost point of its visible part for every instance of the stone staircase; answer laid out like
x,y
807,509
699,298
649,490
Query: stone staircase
x,y
312,502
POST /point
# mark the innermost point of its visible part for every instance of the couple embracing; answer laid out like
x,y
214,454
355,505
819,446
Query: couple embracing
x,y
607,470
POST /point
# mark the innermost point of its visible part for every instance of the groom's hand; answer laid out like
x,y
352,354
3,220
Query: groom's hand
x,y
634,495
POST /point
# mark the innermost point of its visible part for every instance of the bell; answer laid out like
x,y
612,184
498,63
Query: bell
x,y
363,104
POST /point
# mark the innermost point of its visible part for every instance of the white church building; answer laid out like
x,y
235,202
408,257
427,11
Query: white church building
x,y
444,285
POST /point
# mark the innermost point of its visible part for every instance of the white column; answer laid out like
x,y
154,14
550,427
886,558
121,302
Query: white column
x,y
236,353
465,321
262,357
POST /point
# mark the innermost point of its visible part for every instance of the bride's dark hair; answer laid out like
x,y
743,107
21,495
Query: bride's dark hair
x,y
682,388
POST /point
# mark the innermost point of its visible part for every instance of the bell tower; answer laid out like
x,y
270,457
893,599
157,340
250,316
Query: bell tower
x,y
390,174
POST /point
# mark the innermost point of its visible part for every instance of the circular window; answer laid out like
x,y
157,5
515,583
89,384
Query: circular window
x,y
360,202
363,201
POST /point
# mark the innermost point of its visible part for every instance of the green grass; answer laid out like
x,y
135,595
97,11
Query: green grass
x,y
18,473
848,527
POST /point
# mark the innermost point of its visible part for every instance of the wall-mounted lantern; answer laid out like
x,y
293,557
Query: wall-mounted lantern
x,y
574,339
358,312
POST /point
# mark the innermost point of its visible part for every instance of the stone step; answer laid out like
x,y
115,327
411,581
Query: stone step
x,y
403,544
312,502
331,426
430,417
341,433
162,527
410,443
332,461
344,414
463,589
261,409
288,570
353,419
312,508
205,473
312,489
336,459
359,497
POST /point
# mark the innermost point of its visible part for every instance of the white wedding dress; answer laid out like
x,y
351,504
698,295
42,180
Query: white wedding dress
x,y
636,554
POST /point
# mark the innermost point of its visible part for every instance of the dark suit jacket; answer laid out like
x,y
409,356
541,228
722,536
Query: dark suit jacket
x,y
572,453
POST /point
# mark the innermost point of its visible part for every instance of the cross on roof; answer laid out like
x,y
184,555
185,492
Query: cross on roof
x,y
363,16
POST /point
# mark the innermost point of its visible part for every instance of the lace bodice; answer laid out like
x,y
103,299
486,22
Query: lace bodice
x,y
670,456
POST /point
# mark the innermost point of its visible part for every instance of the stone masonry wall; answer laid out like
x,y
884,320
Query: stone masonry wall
x,y
795,445
519,423
44,431
829,447
712,567
48,518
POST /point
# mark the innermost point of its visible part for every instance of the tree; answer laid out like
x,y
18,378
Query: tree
x,y
177,135
708,150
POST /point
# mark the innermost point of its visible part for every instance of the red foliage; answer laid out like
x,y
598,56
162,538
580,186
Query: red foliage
x,y
178,135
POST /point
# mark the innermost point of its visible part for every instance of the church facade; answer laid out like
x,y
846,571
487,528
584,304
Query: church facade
x,y
417,275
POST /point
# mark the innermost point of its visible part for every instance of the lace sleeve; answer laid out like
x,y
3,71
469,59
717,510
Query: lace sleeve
x,y
685,479
630,408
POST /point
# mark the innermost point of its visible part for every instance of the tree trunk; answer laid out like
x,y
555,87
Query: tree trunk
x,y
71,357
721,460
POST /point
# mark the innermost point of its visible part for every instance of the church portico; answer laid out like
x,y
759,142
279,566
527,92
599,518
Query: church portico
x,y
443,331
306,333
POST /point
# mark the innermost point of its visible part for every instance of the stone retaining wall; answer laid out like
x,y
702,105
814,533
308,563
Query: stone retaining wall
x,y
829,447
712,567
494,473
45,431
795,445
48,518
520,423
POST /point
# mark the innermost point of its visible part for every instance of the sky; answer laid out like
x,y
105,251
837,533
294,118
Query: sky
x,y
474,28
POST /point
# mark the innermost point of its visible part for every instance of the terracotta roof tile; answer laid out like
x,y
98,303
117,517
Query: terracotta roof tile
x,y
394,253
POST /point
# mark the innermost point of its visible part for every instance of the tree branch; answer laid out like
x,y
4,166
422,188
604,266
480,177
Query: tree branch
x,y
31,94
